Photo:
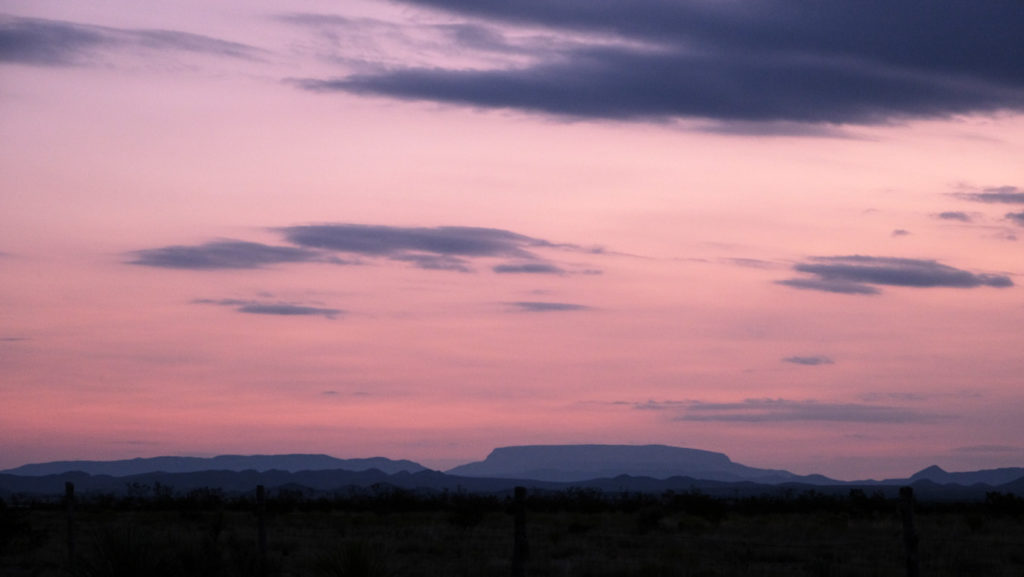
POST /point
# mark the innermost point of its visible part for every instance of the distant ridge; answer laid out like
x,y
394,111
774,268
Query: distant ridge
x,y
291,463
647,466
993,477
570,463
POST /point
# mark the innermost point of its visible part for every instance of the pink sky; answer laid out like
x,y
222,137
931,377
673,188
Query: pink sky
x,y
749,286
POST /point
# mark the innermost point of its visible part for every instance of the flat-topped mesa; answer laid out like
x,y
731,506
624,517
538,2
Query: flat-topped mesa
x,y
594,455
582,462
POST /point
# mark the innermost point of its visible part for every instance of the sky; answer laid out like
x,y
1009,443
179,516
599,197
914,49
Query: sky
x,y
788,231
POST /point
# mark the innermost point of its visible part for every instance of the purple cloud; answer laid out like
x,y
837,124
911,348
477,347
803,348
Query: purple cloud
x,y
856,274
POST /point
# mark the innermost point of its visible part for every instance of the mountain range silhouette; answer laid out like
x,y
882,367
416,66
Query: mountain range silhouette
x,y
645,468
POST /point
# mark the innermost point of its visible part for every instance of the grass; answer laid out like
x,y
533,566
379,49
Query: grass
x,y
453,538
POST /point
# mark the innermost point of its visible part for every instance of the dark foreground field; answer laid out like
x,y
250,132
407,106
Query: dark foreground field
x,y
387,532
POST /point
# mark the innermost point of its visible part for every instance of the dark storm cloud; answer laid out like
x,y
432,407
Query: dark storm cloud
x,y
995,195
1017,217
855,274
809,361
42,42
223,254
544,307
954,215
845,61
784,410
528,268
273,308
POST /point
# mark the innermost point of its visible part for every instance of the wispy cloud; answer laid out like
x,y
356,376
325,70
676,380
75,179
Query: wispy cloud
x,y
528,268
45,42
379,240
899,396
362,43
768,62
784,410
830,286
995,195
40,42
544,307
434,248
435,261
857,274
916,396
810,360
751,263
954,215
990,449
1016,217
273,308
653,405
445,248
224,254
900,232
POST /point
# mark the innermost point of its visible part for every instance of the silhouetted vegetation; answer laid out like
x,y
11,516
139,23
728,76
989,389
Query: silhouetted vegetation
x,y
386,531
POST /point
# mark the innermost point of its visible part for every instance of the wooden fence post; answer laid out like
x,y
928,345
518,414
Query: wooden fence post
x,y
69,499
261,520
909,533
520,550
